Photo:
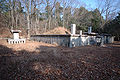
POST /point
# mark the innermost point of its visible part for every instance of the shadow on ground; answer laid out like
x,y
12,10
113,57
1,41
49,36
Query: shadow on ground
x,y
53,63
5,50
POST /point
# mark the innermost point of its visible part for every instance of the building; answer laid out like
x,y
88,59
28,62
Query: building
x,y
73,40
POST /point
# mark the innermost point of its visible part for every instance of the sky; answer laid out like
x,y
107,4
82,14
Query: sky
x,y
90,4
93,4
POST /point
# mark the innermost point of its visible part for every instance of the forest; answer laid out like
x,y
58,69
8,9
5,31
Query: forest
x,y
59,57
39,16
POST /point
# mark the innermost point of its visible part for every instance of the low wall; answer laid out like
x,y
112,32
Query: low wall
x,y
82,40
72,40
61,40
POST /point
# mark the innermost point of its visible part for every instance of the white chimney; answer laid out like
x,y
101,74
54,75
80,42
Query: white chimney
x,y
80,32
89,30
73,29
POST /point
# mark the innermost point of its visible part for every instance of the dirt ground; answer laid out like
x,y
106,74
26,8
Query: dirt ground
x,y
58,30
41,61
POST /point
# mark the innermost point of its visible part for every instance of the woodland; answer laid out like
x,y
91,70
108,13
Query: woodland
x,y
39,16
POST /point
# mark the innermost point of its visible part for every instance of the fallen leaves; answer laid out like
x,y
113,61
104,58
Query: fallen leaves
x,y
60,63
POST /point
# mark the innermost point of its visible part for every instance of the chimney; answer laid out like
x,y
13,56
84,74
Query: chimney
x,y
80,32
89,30
73,29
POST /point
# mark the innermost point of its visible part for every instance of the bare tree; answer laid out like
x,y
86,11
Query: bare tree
x,y
67,4
49,7
107,8
27,5
11,13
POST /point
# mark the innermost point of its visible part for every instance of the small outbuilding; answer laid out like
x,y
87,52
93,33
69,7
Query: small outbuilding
x,y
16,39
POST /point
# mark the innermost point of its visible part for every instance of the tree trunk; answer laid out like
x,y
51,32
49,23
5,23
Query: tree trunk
x,y
16,20
28,23
45,26
63,17
20,24
12,18
28,19
49,21
63,14
36,26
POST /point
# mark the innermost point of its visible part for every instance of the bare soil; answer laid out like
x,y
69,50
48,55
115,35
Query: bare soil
x,y
5,32
58,30
41,61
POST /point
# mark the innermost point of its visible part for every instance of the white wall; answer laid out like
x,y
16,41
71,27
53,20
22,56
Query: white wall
x,y
15,35
82,40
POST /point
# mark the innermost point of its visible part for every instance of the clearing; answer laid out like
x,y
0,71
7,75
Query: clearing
x,y
41,61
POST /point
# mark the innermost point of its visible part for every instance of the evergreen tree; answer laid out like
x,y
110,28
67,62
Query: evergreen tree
x,y
96,20
113,27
